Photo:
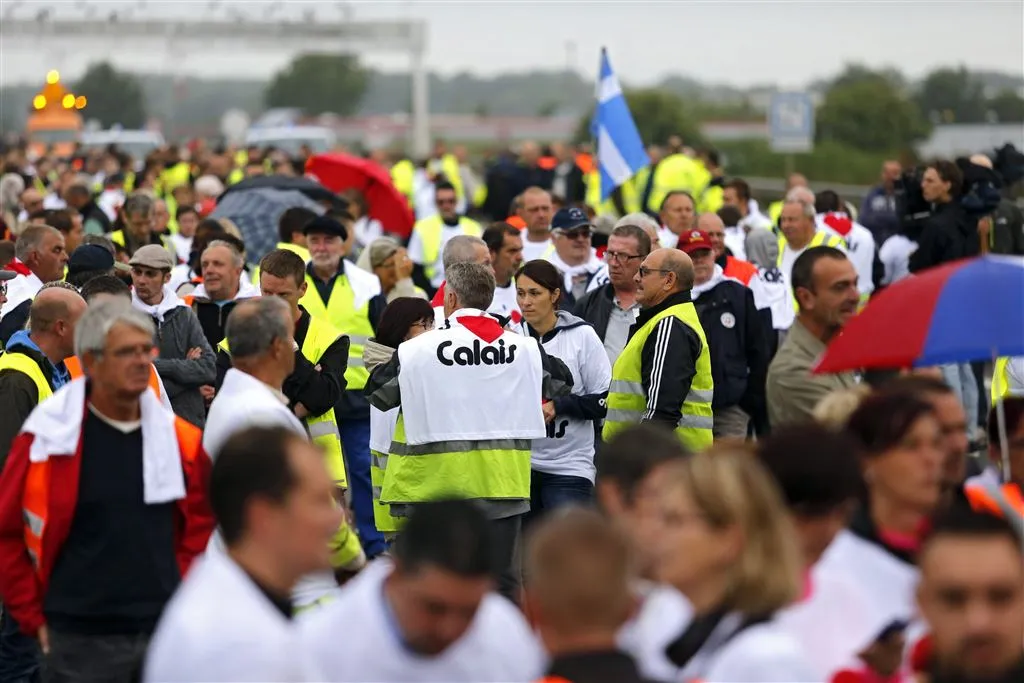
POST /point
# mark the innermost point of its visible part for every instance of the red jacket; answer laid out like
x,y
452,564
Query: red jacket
x,y
22,583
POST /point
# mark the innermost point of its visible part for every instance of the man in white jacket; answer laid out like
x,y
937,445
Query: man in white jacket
x,y
432,615
231,620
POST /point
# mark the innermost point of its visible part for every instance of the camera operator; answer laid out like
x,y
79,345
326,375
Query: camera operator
x,y
1003,231
947,234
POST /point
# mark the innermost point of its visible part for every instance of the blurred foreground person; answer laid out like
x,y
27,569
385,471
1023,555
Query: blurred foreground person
x,y
232,618
259,334
98,526
728,545
578,595
431,615
972,596
902,457
821,493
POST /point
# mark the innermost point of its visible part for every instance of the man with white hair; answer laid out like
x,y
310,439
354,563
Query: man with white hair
x,y
800,231
222,287
459,249
98,526
41,258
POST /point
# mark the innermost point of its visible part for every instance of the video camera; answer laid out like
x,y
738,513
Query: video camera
x,y
979,196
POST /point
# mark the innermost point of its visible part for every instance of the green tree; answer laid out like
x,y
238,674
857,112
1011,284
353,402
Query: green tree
x,y
871,114
319,83
114,97
954,95
1008,107
658,115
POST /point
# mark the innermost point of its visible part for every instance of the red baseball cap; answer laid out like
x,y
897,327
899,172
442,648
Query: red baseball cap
x,y
695,240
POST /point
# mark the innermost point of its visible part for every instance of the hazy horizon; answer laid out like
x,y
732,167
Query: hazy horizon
x,y
740,44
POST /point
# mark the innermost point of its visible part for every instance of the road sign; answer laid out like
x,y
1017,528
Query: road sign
x,y
791,122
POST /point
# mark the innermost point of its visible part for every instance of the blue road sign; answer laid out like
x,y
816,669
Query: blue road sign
x,y
791,122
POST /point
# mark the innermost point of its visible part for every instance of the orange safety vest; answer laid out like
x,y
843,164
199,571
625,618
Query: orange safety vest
x,y
982,501
35,500
74,366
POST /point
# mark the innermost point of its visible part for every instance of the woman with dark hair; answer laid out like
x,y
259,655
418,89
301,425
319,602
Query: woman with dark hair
x,y
902,457
563,463
403,319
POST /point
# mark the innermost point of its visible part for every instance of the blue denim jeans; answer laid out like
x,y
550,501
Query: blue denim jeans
x,y
355,442
19,654
551,491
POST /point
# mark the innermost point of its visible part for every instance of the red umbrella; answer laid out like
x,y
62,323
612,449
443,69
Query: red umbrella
x,y
340,172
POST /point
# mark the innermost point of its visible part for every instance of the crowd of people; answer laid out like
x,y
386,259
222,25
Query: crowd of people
x,y
544,436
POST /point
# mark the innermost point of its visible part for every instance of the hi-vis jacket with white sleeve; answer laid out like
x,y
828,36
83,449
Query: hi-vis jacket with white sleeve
x,y
471,398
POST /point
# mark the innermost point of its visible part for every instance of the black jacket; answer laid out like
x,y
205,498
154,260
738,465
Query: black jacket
x,y
609,666
92,212
947,235
596,308
15,320
318,386
668,361
738,343
1007,229
18,397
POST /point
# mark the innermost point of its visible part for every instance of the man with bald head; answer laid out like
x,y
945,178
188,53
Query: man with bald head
x,y
664,373
537,212
793,181
35,358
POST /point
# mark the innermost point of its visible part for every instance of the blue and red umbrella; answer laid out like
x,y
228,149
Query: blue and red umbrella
x,y
961,311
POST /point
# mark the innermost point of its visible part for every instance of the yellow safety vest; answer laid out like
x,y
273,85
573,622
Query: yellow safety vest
x,y
820,238
175,176
172,210
472,470
449,166
236,176
711,199
296,249
385,522
593,196
430,230
323,429
340,312
775,211
675,172
627,401
402,175
1001,379
118,238
22,363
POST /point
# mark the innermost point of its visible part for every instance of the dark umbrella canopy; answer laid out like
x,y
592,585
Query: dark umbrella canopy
x,y
306,186
257,211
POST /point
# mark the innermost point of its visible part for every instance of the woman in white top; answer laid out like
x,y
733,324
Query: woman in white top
x,y
729,546
403,319
563,463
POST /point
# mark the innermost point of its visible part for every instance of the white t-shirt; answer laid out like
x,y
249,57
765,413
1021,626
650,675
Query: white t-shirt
x,y
667,239
535,250
861,251
497,646
504,302
895,256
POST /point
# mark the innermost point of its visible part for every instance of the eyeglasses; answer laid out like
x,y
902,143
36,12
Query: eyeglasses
x,y
645,271
3,289
576,233
619,256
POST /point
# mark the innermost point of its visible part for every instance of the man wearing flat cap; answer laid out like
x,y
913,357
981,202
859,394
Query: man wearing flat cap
x,y
185,362
343,295
390,262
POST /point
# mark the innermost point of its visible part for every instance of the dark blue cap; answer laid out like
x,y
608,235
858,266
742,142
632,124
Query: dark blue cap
x,y
90,257
569,218
323,225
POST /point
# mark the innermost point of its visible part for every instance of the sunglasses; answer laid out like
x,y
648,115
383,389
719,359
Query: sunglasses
x,y
576,233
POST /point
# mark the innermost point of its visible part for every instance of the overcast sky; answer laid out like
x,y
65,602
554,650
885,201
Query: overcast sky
x,y
741,43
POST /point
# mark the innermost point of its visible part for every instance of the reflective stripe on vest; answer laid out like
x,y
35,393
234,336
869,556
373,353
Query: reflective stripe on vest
x,y
627,402
820,237
495,469
1000,379
74,366
341,313
323,429
382,517
430,231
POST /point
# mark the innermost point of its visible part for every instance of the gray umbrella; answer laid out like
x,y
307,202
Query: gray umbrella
x,y
256,213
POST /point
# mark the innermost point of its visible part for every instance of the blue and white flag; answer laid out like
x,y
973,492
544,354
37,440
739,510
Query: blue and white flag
x,y
620,151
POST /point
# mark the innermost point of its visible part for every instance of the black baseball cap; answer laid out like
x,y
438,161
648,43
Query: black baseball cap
x,y
322,225
90,257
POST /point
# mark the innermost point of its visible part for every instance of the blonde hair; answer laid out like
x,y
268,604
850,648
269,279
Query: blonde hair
x,y
732,489
834,410
578,572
